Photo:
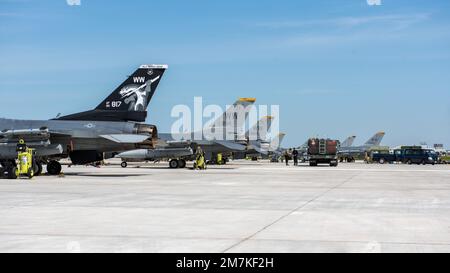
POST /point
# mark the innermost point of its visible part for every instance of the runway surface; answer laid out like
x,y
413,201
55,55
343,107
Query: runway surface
x,y
241,207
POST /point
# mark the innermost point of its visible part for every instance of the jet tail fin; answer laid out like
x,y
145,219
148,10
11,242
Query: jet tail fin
x,y
233,118
348,142
375,140
230,114
129,101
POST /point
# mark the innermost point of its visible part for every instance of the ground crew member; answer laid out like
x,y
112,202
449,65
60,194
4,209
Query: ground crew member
x,y
295,155
367,157
286,157
21,146
200,159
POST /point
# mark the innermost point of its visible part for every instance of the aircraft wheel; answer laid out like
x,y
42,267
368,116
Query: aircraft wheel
x,y
173,164
381,160
124,164
12,173
54,167
181,163
37,168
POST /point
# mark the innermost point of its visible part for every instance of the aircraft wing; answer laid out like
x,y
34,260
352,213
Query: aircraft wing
x,y
39,139
230,145
126,138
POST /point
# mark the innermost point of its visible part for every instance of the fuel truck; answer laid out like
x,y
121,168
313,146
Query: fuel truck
x,y
323,151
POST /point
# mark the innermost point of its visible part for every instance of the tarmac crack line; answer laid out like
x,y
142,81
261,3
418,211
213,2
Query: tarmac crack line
x,y
290,213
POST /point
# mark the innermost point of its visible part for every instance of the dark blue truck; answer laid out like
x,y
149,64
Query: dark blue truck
x,y
407,155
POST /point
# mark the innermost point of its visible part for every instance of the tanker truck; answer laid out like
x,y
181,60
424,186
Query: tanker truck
x,y
323,151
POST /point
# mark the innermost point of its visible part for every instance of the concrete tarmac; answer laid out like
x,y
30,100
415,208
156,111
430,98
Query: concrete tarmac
x,y
241,207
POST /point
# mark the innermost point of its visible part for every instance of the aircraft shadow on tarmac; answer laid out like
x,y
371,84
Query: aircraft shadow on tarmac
x,y
149,168
187,168
318,166
104,175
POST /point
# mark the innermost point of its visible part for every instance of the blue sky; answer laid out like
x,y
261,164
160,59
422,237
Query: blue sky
x,y
336,68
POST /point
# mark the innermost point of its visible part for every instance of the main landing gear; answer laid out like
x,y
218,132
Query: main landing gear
x,y
8,171
54,167
37,168
177,163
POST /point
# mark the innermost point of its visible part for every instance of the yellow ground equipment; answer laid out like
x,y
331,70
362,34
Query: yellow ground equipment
x,y
25,159
219,159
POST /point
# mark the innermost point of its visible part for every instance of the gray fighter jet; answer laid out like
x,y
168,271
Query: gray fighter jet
x,y
115,125
212,143
179,148
256,140
350,153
